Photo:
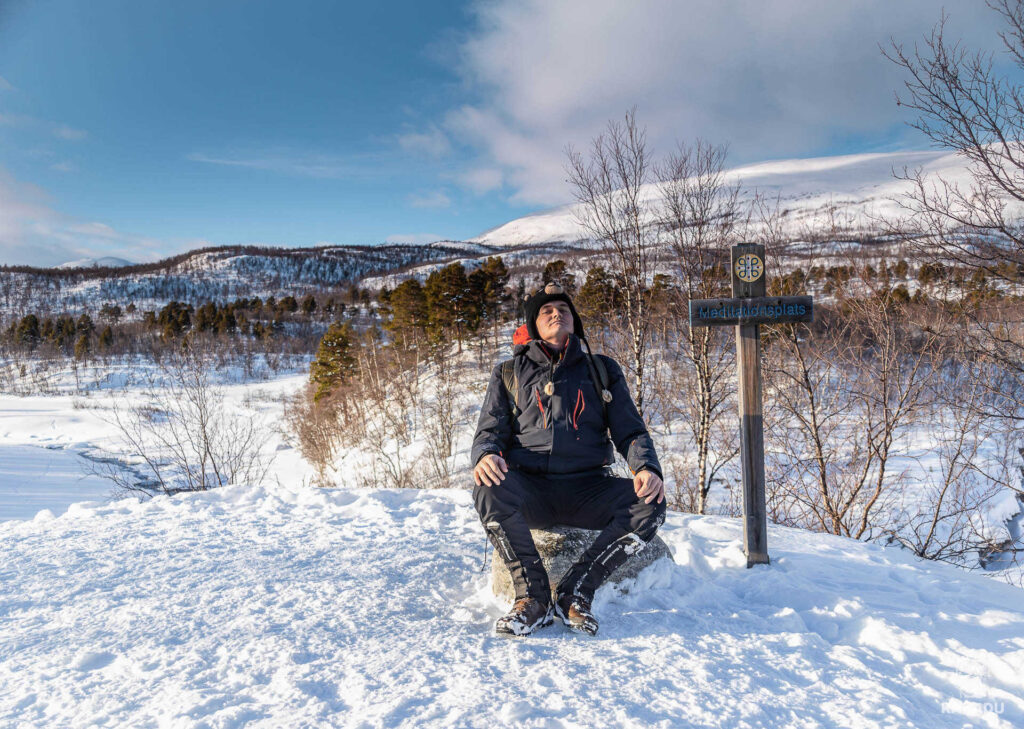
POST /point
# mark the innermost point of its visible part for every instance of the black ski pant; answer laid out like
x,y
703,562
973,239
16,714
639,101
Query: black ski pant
x,y
593,500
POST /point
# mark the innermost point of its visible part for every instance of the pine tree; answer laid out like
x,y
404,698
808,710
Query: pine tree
x,y
111,313
174,319
335,362
598,297
476,299
27,332
288,304
447,292
106,339
488,285
557,271
82,348
408,304
85,325
226,322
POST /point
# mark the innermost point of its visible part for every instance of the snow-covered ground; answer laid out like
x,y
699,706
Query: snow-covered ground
x,y
270,607
287,605
50,444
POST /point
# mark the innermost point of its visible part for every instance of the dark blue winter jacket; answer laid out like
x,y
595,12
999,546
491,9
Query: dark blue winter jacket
x,y
564,432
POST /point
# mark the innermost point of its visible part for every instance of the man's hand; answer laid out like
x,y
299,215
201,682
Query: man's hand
x,y
490,470
647,484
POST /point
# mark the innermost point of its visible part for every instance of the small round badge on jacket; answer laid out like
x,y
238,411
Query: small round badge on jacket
x,y
549,389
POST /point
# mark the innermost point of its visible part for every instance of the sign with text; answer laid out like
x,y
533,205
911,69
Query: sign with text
x,y
760,310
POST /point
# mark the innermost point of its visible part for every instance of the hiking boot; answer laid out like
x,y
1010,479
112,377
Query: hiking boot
x,y
527,615
574,610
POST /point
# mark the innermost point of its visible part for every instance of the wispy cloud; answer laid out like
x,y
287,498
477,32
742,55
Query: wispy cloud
x,y
481,179
294,163
15,120
430,143
63,131
63,167
5,85
60,131
433,199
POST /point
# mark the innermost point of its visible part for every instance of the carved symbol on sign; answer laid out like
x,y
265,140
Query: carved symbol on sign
x,y
749,268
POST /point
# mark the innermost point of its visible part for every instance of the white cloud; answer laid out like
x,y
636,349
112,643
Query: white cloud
x,y
785,78
289,162
63,167
481,179
33,233
430,143
5,85
413,238
63,131
95,230
14,120
433,199
60,131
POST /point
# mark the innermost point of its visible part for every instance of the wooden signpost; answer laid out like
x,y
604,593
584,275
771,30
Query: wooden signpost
x,y
747,310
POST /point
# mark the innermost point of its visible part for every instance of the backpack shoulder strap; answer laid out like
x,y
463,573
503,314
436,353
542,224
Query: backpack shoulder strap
x,y
508,376
602,372
599,374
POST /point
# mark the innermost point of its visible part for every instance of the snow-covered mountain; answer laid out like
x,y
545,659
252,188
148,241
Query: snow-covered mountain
x,y
102,262
861,189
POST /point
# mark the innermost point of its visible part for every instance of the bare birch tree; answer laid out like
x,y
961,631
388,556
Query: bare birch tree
x,y
701,221
617,207
843,397
184,434
966,465
964,104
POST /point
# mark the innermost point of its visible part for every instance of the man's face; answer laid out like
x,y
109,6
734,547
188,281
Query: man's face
x,y
554,322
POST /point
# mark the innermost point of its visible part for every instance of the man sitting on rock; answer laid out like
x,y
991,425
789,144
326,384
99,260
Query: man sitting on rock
x,y
542,455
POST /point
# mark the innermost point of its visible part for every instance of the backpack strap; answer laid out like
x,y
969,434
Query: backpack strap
x,y
599,374
508,376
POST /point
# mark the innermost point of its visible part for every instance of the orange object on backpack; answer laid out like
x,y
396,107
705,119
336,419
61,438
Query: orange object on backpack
x,y
522,336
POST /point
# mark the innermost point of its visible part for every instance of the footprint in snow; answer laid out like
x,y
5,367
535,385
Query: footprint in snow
x,y
92,661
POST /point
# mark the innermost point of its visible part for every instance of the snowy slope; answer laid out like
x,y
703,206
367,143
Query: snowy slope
x,y
305,608
102,262
861,187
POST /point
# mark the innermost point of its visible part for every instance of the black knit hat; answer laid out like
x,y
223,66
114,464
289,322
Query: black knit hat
x,y
551,292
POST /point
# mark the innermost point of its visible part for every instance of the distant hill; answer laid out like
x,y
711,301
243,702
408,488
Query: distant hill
x,y
104,262
857,192
860,189
215,274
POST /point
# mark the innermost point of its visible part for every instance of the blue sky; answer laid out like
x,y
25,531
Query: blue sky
x,y
141,129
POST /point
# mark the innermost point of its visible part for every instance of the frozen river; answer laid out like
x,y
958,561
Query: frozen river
x,y
34,478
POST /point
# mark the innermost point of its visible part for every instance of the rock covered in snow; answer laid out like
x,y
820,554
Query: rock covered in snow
x,y
559,548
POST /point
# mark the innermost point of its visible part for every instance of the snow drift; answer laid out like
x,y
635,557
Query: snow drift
x,y
300,607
